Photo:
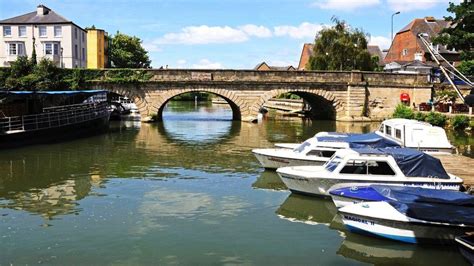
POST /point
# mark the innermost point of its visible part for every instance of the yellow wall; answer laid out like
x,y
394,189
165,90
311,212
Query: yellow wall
x,y
96,46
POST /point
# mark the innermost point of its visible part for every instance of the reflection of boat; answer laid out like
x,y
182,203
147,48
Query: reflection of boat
x,y
318,149
28,117
466,246
406,133
380,251
390,166
409,222
299,208
269,180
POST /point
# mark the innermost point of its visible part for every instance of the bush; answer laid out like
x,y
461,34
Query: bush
x,y
460,122
419,116
436,119
403,111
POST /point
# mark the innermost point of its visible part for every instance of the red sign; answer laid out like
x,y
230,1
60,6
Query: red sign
x,y
404,97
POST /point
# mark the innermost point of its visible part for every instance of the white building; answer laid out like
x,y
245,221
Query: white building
x,y
52,35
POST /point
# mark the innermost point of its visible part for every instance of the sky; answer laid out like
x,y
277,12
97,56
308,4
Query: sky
x,y
235,34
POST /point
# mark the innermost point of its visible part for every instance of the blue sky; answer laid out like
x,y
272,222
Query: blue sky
x,y
230,33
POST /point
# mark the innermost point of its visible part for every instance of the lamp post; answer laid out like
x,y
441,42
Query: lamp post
x,y
396,13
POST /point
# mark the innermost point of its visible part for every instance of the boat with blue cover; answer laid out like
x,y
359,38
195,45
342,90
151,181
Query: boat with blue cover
x,y
318,149
412,215
367,166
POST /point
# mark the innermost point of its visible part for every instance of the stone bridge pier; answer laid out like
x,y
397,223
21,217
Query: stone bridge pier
x,y
344,96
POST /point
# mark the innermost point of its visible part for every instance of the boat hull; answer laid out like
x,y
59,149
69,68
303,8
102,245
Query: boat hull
x,y
408,232
320,186
91,127
274,162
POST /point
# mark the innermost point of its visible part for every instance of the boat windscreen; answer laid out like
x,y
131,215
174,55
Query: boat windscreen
x,y
301,147
332,163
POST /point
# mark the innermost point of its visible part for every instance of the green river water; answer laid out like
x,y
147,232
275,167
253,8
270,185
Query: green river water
x,y
183,191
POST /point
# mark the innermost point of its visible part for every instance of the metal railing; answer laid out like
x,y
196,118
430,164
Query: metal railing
x,y
52,117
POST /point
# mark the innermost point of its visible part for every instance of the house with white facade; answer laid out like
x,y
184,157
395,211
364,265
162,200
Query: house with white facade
x,y
53,36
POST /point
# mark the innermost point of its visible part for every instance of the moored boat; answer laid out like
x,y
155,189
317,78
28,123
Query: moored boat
x,y
366,166
466,246
30,117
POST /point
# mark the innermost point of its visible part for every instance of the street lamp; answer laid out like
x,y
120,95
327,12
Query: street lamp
x,y
396,13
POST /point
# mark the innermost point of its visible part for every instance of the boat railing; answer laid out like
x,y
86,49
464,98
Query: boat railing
x,y
54,117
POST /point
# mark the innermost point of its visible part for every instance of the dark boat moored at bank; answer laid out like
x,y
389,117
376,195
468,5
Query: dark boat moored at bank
x,y
38,117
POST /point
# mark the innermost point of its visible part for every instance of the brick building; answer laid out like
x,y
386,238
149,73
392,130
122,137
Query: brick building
x,y
407,47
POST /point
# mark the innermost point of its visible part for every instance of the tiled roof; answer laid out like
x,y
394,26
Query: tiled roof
x,y
286,68
374,50
33,18
305,55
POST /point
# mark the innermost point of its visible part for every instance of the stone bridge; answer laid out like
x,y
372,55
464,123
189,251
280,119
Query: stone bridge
x,y
344,96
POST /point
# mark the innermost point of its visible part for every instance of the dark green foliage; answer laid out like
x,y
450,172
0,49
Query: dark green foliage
x,y
4,74
436,119
461,35
340,48
403,111
460,122
467,67
191,96
288,95
33,60
127,52
419,116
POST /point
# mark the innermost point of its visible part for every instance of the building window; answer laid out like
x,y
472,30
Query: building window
x,y
42,31
51,48
22,31
7,31
405,52
83,37
75,33
83,53
75,52
16,48
58,31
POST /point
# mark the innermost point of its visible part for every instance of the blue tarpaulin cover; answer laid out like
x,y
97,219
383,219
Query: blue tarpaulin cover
x,y
52,92
360,140
412,163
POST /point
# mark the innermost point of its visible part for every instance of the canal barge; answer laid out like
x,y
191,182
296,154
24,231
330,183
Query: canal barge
x,y
31,117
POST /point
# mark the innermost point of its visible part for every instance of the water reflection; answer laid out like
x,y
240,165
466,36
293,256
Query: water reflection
x,y
269,180
299,208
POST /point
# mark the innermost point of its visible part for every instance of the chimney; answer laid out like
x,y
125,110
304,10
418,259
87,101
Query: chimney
x,y
430,19
42,10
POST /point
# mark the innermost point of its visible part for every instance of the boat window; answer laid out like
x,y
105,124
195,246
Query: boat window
x,y
332,163
381,128
315,153
388,130
302,146
328,154
379,168
356,167
398,133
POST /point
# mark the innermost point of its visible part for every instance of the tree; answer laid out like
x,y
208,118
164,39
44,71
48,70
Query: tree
x,y
461,34
127,52
340,48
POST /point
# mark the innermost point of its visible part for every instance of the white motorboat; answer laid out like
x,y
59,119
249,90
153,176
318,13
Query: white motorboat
x,y
405,132
410,222
366,166
318,149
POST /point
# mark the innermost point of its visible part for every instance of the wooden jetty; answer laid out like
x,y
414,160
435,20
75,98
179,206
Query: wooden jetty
x,y
461,166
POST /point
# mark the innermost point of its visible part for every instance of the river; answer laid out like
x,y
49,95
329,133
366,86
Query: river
x,y
183,191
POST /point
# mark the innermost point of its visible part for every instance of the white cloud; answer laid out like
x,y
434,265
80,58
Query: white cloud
x,y
381,41
304,30
214,34
207,64
151,46
257,31
411,5
345,4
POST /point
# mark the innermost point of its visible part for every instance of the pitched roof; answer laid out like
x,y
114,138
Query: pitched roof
x,y
50,17
306,53
286,68
374,50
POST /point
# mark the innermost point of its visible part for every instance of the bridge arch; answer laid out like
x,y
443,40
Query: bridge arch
x,y
324,104
137,96
230,97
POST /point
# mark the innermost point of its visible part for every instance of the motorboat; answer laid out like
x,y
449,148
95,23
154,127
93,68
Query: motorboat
x,y
318,149
367,166
466,246
347,195
407,133
435,219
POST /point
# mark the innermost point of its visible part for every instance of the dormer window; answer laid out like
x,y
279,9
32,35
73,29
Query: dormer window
x,y
405,52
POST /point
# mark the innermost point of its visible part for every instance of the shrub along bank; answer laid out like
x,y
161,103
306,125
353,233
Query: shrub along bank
x,y
457,122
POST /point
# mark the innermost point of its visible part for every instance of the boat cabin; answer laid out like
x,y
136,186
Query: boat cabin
x,y
416,134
